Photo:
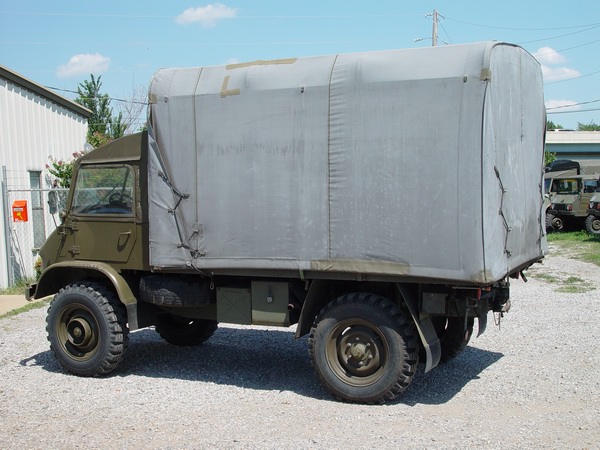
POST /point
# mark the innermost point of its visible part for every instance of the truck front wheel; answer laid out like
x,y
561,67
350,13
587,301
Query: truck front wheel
x,y
182,331
592,224
363,348
87,329
557,223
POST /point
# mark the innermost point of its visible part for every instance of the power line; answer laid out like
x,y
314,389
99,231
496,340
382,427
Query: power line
x,y
156,16
592,25
195,44
443,28
573,104
573,78
572,112
560,36
568,48
89,98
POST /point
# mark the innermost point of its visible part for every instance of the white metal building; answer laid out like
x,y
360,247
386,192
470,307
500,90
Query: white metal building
x,y
35,123
580,146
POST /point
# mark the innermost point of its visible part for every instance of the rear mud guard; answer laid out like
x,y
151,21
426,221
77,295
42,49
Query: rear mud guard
x,y
429,338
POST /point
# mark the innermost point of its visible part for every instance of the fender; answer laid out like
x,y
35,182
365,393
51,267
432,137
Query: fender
x,y
64,273
316,299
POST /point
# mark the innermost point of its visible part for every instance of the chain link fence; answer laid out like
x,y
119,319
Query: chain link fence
x,y
29,216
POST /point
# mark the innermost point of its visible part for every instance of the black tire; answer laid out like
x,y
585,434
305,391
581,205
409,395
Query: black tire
x,y
557,223
87,329
175,291
363,348
182,331
452,335
549,219
592,224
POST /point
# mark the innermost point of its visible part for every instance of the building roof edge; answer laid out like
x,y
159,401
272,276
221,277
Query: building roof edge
x,y
36,88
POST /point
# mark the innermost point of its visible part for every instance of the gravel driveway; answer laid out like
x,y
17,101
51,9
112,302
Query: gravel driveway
x,y
532,382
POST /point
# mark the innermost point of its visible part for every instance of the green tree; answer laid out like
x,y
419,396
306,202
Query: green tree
x,y
102,126
553,126
549,157
592,126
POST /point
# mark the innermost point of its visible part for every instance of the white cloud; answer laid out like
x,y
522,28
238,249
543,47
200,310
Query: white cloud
x,y
550,60
83,64
547,55
207,15
564,105
558,73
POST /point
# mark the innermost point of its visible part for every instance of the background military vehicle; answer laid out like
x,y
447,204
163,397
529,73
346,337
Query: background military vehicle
x,y
569,199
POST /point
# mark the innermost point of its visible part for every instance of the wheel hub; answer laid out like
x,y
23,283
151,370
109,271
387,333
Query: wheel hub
x,y
359,352
79,332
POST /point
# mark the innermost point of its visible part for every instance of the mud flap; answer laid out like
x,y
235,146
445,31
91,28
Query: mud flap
x,y
429,337
482,322
132,316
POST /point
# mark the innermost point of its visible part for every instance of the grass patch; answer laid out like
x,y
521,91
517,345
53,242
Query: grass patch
x,y
573,280
563,282
568,285
18,288
578,245
545,277
28,307
574,289
575,285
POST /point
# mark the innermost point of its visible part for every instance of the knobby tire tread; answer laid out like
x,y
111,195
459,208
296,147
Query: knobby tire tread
x,y
404,327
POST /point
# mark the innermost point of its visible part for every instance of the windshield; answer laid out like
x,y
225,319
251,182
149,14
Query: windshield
x,y
566,186
104,190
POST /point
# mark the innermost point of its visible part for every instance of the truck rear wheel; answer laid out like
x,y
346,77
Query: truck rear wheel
x,y
183,331
363,348
549,219
453,336
592,224
87,329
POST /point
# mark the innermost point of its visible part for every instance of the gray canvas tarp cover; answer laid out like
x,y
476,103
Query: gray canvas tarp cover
x,y
413,163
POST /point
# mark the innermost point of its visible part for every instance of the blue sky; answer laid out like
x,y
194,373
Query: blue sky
x,y
59,43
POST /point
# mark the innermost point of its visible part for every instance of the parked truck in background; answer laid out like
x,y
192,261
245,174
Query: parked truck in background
x,y
569,200
378,201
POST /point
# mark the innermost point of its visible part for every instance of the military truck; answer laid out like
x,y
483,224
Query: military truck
x,y
592,221
569,200
379,202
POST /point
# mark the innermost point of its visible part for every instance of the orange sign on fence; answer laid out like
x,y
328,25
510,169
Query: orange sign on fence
x,y
19,210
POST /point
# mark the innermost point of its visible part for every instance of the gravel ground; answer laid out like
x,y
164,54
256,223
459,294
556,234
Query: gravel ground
x,y
533,382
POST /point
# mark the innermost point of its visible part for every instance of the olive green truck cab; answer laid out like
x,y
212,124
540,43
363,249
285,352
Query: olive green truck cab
x,y
283,193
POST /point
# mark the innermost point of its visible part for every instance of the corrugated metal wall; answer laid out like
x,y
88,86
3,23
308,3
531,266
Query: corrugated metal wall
x,y
31,129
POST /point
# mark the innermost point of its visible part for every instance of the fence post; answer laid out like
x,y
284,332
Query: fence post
x,y
7,233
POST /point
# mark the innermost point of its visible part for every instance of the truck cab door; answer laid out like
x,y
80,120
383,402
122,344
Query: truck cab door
x,y
101,223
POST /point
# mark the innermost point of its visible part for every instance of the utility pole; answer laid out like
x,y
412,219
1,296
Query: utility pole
x,y
434,33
